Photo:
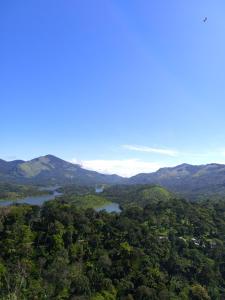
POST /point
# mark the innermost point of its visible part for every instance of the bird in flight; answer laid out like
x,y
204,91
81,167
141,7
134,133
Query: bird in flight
x,y
205,19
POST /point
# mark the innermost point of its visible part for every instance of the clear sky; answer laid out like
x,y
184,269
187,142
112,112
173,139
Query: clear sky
x,y
119,86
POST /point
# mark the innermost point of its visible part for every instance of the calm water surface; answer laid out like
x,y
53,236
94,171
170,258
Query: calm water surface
x,y
112,207
37,200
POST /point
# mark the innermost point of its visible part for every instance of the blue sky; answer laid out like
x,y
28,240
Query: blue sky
x,y
119,86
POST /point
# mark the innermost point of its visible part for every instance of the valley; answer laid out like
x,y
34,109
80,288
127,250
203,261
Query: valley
x,y
188,181
72,233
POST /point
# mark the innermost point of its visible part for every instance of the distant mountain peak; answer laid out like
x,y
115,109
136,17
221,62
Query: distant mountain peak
x,y
183,165
50,169
48,156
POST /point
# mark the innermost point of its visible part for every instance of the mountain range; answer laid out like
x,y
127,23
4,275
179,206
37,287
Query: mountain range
x,y
51,170
186,180
189,181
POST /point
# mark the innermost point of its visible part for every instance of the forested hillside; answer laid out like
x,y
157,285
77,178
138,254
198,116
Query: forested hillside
x,y
51,170
189,181
140,195
167,250
15,191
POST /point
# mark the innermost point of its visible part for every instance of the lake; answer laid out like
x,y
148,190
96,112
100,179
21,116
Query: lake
x,y
112,207
35,200
99,189
39,200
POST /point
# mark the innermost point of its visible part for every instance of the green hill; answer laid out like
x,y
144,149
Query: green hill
x,y
85,201
137,194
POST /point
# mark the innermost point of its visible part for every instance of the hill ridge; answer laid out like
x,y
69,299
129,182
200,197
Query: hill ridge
x,y
190,181
50,169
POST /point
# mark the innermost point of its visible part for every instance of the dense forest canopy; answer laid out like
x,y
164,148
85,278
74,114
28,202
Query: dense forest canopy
x,y
168,249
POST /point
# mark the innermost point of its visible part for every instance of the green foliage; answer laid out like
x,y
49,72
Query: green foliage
x,y
140,195
198,292
86,201
168,249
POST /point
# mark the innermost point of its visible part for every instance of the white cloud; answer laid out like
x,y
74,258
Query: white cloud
x,y
123,167
169,152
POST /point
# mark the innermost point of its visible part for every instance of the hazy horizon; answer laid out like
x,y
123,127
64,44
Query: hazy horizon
x,y
99,166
